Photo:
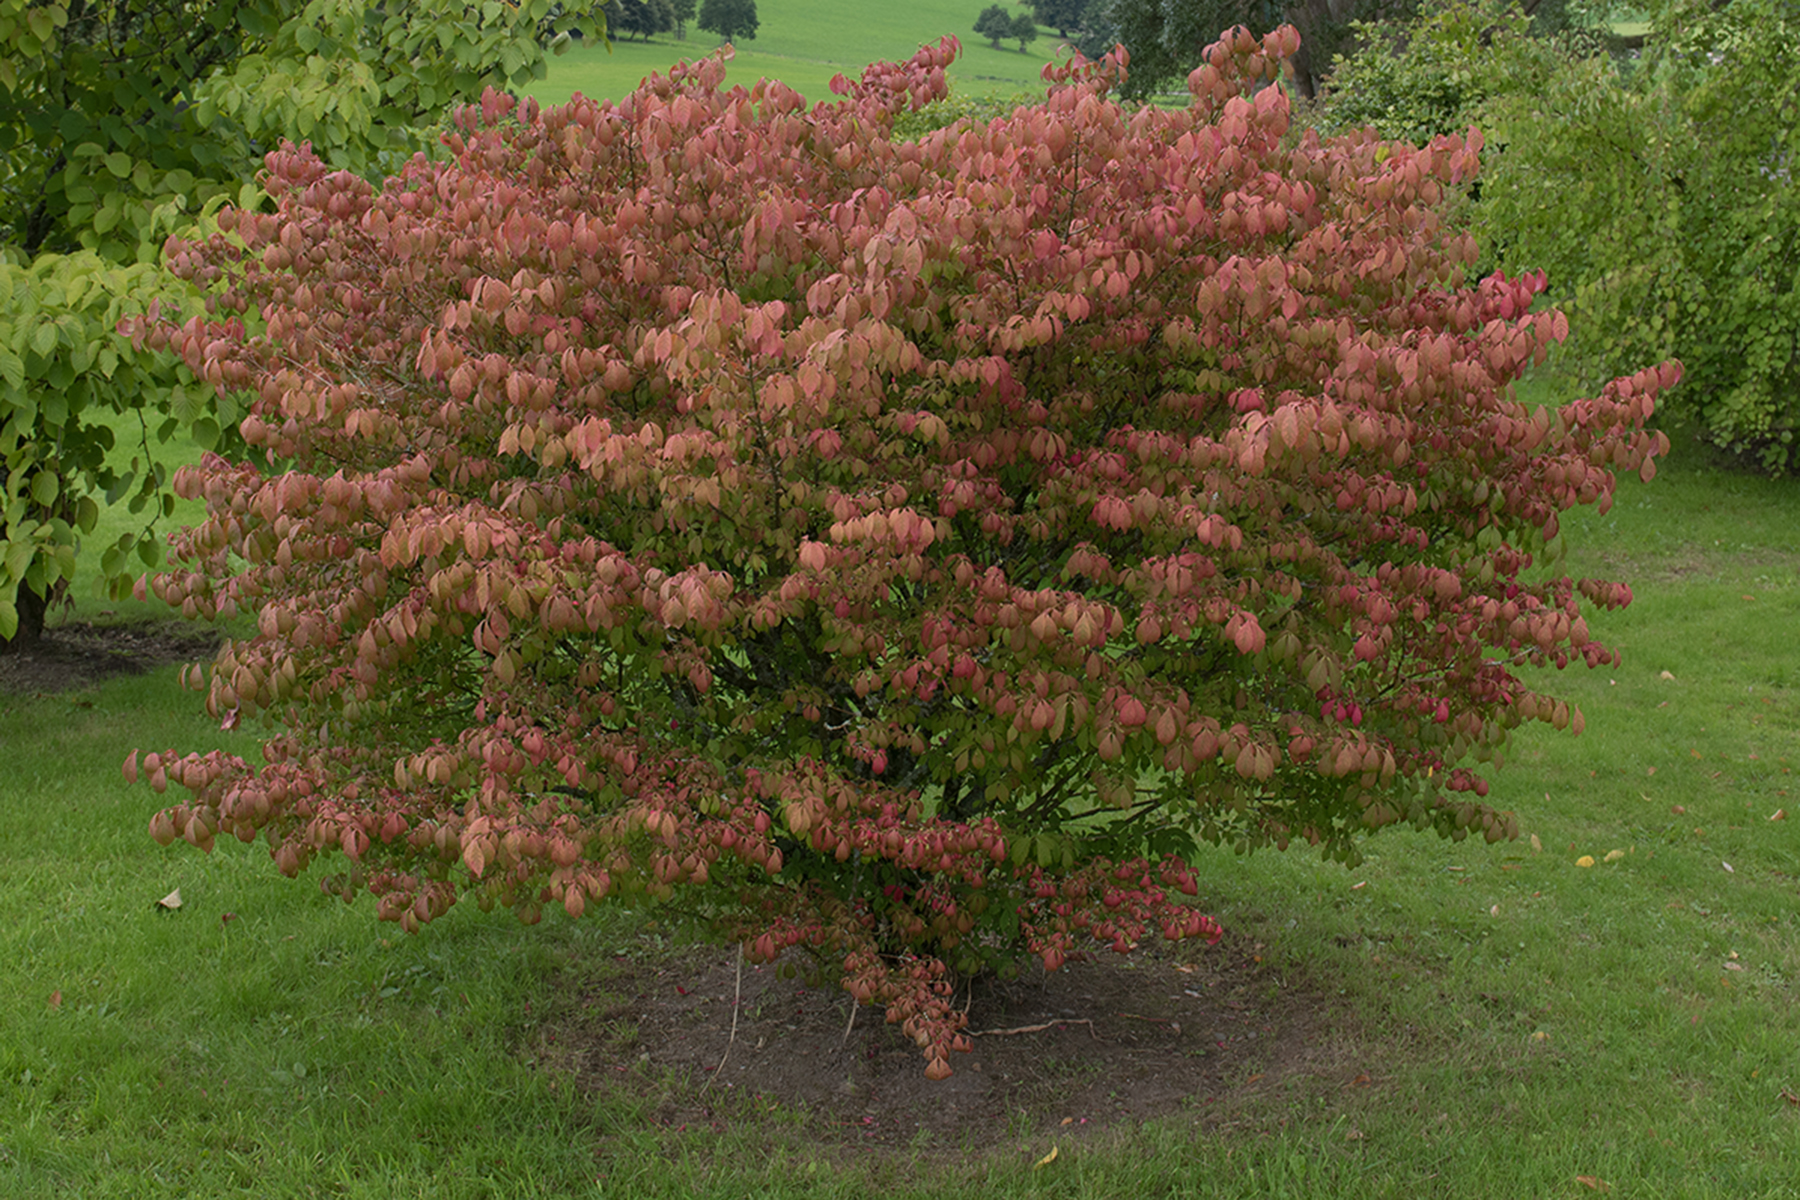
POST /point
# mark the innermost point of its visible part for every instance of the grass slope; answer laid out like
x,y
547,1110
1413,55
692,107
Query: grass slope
x,y
1525,1023
804,43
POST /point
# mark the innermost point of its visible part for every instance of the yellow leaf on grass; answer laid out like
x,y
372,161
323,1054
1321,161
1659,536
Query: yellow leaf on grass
x,y
1586,860
170,902
1614,855
1537,847
1595,1182
1046,1160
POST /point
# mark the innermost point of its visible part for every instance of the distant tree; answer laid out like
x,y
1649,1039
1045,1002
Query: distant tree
x,y
1166,37
645,18
685,11
994,24
1024,27
730,19
1061,15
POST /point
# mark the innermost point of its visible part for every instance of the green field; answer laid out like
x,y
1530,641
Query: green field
x,y
804,43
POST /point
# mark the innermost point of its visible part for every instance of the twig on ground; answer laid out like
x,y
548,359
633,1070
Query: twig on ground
x,y
1038,1028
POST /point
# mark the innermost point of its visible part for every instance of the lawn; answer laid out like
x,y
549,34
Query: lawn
x,y
1515,1022
804,43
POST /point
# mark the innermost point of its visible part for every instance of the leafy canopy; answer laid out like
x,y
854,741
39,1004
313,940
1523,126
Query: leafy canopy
x,y
905,550
1663,200
119,125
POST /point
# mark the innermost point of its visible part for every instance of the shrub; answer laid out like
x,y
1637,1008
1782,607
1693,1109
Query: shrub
x,y
1662,201
1416,79
904,550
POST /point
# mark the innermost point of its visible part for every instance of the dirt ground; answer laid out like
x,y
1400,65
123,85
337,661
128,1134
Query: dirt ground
x,y
78,655
1115,1038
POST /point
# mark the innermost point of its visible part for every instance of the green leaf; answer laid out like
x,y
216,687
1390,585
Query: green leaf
x,y
44,340
119,163
45,488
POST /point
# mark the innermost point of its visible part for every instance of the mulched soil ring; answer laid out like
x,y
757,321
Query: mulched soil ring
x,y
1115,1038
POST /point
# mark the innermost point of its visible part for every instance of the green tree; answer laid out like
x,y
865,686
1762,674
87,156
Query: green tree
x,y
685,11
1061,15
644,18
1166,37
121,123
1435,74
1660,194
730,19
995,24
1024,27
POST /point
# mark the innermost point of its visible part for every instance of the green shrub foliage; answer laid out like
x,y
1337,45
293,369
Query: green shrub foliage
x,y
905,549
1417,79
1662,200
120,123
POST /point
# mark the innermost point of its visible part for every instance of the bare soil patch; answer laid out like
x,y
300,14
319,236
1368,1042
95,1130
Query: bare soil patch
x,y
80,654
1110,1039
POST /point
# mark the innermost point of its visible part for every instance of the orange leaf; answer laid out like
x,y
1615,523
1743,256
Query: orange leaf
x,y
1598,1184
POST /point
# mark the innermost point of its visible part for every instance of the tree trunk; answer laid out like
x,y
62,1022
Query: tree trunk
x,y
32,608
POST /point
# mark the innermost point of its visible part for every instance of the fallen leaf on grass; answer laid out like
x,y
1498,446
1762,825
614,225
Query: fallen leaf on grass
x,y
1586,860
1540,1036
1731,966
1779,814
1357,887
56,998
170,902
1595,1182
227,918
1790,1097
1666,675
1046,1160
1729,869
1677,809
1537,847
1614,855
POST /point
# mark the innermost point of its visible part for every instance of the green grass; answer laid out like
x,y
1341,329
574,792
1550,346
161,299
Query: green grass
x,y
804,43
1524,1020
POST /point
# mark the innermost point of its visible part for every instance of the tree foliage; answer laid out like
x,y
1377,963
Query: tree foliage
x,y
994,23
1024,28
119,124
1166,38
1434,74
1064,16
642,18
1661,196
907,550
732,20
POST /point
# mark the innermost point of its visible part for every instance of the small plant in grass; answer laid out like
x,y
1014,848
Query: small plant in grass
x,y
905,549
